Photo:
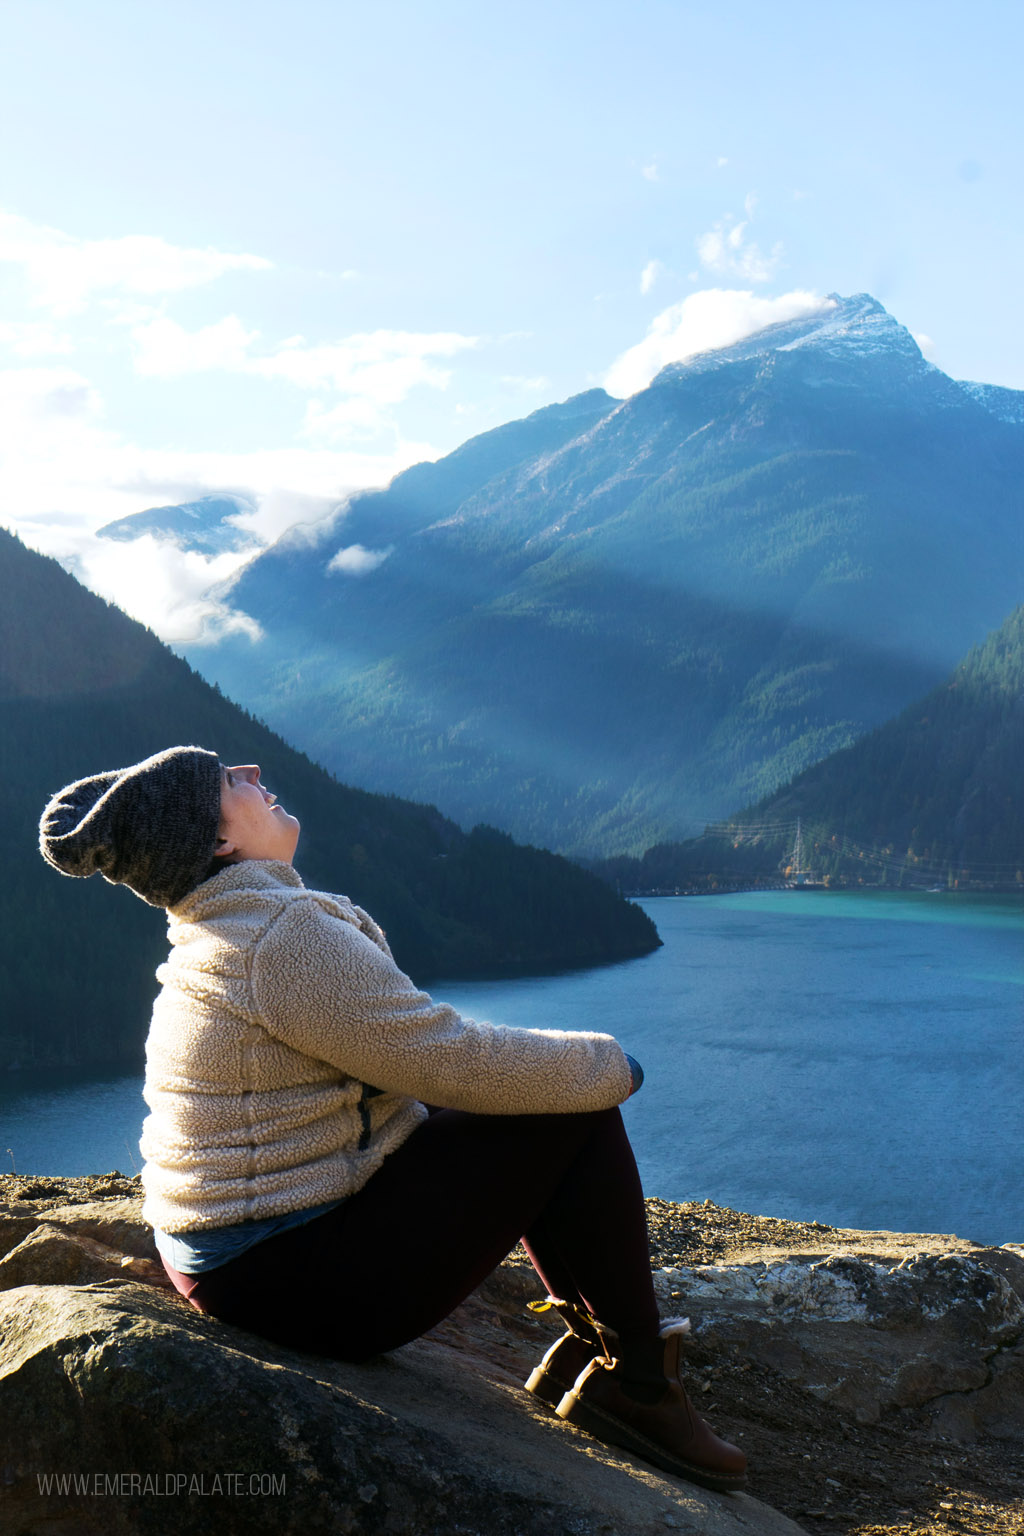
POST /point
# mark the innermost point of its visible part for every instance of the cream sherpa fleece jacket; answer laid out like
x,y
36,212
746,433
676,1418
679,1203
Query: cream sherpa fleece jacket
x,y
278,1006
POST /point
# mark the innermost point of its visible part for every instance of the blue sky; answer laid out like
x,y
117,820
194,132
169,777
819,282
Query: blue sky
x,y
286,250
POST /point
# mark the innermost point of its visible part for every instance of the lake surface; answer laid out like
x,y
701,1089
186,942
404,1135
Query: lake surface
x,y
833,1056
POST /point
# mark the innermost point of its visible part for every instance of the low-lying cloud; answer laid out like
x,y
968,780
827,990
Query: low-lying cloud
x,y
172,590
357,561
714,317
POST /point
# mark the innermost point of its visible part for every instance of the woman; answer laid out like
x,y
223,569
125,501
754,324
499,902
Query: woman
x,y
297,1182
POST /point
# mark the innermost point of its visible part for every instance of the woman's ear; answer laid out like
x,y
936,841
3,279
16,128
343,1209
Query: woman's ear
x,y
225,850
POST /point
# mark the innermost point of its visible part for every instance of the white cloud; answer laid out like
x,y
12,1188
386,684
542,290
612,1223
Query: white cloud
x,y
383,365
649,276
65,470
725,248
721,161
64,271
57,455
714,317
380,366
33,338
170,588
279,511
164,349
357,561
650,172
347,421
64,473
52,432
926,344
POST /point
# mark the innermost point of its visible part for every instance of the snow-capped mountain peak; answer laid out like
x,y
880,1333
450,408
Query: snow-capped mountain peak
x,y
841,327
858,324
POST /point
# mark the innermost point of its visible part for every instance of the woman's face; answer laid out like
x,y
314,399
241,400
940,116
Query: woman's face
x,y
252,824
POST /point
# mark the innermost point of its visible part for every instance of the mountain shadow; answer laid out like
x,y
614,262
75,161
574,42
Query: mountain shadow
x,y
931,797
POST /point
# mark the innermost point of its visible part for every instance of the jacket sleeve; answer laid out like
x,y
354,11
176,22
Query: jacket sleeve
x,y
325,988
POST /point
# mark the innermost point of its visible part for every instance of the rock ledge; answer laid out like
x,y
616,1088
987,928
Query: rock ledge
x,y
159,1419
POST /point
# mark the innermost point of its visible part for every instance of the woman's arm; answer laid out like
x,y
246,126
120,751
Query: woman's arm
x,y
326,989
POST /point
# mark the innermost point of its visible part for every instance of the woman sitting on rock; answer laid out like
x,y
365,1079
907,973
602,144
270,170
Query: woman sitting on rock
x,y
298,1183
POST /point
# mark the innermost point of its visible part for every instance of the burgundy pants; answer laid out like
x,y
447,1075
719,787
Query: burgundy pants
x,y
439,1215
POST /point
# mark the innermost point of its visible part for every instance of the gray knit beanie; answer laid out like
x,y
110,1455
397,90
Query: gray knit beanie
x,y
152,827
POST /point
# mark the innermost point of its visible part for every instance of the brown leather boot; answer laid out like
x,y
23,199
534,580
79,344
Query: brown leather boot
x,y
571,1354
626,1403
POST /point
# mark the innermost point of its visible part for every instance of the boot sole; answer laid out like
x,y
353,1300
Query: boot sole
x,y
547,1387
612,1431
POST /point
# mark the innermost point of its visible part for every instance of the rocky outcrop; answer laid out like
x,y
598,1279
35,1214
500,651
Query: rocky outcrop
x,y
884,1328
124,1412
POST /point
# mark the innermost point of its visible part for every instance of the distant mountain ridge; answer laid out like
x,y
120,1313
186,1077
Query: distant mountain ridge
x,y
612,622
205,526
84,688
1006,404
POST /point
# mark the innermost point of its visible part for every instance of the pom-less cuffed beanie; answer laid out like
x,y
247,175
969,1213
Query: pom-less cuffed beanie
x,y
152,827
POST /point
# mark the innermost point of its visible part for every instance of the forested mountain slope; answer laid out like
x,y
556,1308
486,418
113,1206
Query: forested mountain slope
x,y
83,688
932,796
666,608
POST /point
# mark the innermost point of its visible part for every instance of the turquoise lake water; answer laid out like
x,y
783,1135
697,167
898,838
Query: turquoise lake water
x,y
833,1056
